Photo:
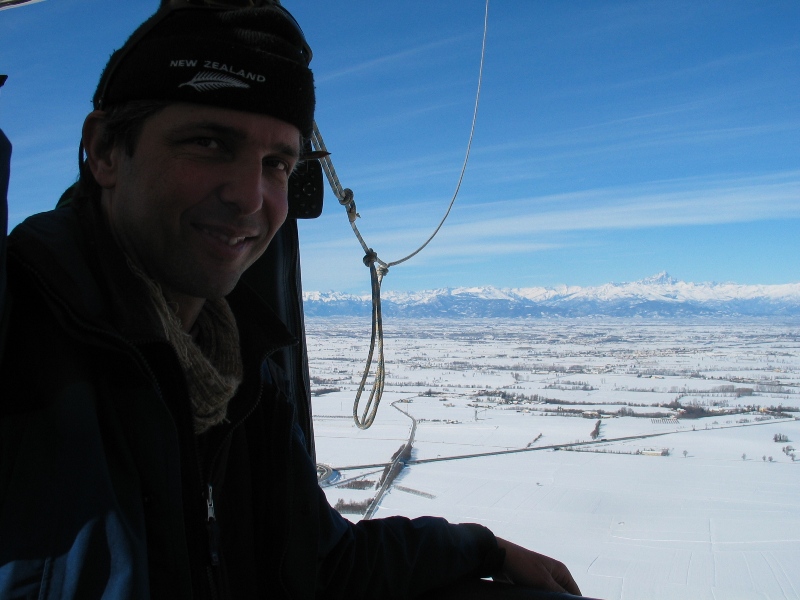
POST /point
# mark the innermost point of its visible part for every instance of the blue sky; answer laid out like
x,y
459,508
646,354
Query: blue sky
x,y
614,139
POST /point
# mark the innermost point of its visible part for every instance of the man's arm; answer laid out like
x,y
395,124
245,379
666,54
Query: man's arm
x,y
395,557
528,568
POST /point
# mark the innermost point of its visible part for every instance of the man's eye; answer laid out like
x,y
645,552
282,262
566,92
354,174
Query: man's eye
x,y
276,163
207,142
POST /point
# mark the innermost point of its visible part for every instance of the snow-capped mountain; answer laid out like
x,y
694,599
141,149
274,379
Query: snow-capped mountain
x,y
656,296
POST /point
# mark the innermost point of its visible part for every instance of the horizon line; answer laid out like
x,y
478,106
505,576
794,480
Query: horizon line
x,y
653,279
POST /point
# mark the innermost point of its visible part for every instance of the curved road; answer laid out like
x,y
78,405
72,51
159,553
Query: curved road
x,y
401,458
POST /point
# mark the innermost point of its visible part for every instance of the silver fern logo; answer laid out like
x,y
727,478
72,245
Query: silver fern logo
x,y
206,81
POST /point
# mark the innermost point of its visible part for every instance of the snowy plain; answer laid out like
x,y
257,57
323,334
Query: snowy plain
x,y
585,451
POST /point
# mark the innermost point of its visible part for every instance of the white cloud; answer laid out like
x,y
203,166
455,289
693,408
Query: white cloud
x,y
532,224
679,202
382,62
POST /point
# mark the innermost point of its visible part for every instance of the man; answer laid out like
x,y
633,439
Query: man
x,y
148,448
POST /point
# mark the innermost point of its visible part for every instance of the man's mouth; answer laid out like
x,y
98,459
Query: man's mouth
x,y
225,239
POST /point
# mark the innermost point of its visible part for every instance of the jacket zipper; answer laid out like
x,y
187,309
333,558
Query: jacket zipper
x,y
213,528
212,525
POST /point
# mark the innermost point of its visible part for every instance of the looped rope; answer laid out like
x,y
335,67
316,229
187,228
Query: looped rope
x,y
371,409
371,258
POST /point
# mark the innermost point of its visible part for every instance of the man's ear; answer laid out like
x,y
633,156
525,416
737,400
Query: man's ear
x,y
100,156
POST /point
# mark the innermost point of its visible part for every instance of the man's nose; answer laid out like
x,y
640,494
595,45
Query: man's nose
x,y
243,190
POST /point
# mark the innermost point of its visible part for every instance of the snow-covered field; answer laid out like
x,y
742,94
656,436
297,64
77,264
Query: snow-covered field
x,y
578,414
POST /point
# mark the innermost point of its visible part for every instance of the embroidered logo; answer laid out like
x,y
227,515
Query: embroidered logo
x,y
206,81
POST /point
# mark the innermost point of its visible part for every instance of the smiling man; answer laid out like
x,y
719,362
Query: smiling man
x,y
200,199
148,445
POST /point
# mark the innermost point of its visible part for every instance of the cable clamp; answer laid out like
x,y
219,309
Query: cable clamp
x,y
347,201
370,258
346,197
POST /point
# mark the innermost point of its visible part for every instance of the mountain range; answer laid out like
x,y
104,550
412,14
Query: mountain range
x,y
658,296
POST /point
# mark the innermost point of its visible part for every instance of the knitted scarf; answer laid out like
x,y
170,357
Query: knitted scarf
x,y
211,358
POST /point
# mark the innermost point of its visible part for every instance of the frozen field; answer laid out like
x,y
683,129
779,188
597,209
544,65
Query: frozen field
x,y
643,454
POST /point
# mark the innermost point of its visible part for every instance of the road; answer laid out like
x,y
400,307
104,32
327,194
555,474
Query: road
x,y
643,436
401,458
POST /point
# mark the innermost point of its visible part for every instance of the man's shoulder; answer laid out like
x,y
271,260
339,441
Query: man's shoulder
x,y
53,253
51,231
47,241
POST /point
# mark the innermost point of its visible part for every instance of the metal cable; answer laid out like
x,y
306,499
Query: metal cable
x,y
371,258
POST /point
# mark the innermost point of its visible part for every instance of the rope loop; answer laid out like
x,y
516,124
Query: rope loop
x,y
364,421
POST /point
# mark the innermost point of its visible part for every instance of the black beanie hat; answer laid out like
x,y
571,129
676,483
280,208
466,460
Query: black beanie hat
x,y
252,59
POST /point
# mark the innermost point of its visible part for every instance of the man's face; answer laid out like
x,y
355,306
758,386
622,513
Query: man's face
x,y
202,196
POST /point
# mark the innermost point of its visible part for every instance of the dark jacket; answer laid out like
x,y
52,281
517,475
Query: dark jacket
x,y
104,488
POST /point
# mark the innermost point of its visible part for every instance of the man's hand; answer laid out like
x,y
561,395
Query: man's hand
x,y
524,567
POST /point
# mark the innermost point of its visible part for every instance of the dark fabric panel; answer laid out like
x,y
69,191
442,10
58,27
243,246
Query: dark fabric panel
x,y
276,278
5,171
